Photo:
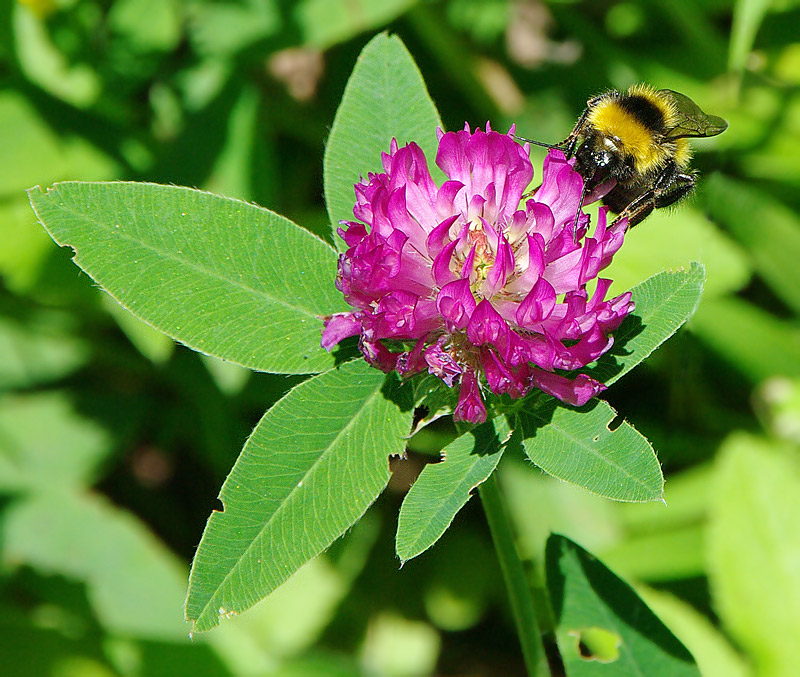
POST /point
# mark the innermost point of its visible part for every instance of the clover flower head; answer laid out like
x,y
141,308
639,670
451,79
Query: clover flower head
x,y
473,284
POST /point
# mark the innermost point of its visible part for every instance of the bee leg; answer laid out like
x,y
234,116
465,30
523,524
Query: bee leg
x,y
679,187
530,193
671,186
638,210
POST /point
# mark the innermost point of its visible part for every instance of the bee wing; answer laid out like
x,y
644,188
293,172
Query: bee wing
x,y
692,121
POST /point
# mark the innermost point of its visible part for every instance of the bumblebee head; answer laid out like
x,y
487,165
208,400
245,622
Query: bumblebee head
x,y
600,157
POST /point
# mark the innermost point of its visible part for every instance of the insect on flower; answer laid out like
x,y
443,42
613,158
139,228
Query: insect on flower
x,y
477,287
637,142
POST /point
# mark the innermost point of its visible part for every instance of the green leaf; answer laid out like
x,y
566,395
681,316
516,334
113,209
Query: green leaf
x,y
146,26
602,626
45,65
663,303
540,505
577,446
768,230
442,489
224,277
754,549
756,343
668,240
133,583
747,18
26,246
310,469
35,152
153,344
324,23
45,443
224,28
385,98
292,618
713,653
39,351
672,555
398,646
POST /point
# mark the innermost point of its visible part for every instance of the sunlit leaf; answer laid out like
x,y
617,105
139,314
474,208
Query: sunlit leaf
x,y
540,505
670,238
150,342
326,22
40,350
769,231
34,152
750,339
673,554
291,619
310,469
385,98
45,443
747,17
754,549
577,446
443,488
43,62
224,277
224,28
87,539
25,245
602,626
711,649
398,646
663,303
146,25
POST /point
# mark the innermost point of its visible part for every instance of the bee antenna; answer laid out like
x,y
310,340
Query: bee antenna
x,y
539,143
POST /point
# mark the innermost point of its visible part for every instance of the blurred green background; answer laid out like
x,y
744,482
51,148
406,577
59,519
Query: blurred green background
x,y
114,441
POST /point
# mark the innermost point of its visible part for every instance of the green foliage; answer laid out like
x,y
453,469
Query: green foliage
x,y
312,466
205,270
579,446
756,500
601,623
114,439
27,460
38,350
663,303
86,539
773,245
442,489
385,99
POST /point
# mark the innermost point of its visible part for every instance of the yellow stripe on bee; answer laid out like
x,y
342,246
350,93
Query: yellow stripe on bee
x,y
632,137
683,153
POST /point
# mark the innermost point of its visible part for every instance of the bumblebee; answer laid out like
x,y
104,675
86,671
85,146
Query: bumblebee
x,y
638,139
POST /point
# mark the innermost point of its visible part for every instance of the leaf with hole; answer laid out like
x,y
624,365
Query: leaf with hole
x,y
577,446
602,626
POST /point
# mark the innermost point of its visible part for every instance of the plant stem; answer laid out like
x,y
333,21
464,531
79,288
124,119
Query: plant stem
x,y
519,591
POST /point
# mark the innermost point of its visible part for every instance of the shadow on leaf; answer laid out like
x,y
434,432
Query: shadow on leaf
x,y
573,572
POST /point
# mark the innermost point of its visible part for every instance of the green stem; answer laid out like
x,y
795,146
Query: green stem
x,y
519,591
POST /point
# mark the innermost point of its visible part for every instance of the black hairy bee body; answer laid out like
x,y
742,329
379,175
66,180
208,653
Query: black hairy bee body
x,y
638,139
